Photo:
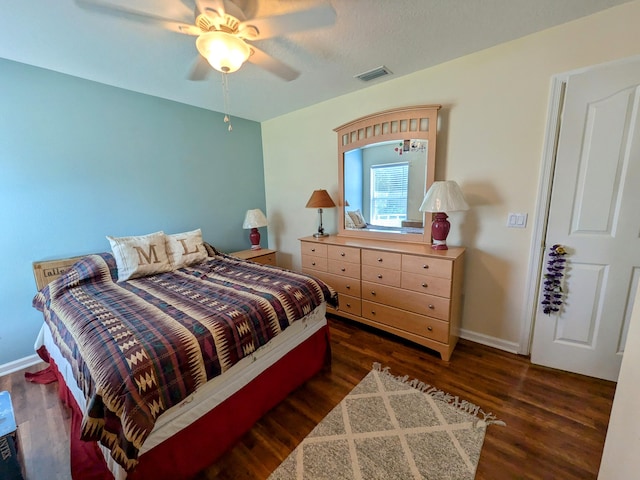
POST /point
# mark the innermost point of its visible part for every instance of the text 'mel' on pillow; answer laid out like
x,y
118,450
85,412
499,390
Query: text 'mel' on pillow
x,y
140,255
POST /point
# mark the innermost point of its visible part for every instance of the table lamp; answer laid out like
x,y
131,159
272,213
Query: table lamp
x,y
442,197
320,199
254,219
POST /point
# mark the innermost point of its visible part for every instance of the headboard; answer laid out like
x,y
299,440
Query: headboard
x,y
48,270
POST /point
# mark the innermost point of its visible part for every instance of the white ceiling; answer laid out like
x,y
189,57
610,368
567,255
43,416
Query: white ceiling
x,y
404,35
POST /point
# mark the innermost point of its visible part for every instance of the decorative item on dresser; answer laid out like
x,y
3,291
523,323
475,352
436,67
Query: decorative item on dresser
x,y
254,219
442,197
320,199
403,288
264,256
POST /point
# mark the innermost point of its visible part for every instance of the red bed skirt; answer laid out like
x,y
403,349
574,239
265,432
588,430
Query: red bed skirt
x,y
201,443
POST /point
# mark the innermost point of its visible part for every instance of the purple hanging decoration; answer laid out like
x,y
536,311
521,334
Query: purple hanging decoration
x,y
552,285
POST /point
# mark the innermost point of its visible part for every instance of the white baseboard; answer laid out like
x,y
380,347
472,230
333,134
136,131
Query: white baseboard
x,y
511,347
19,364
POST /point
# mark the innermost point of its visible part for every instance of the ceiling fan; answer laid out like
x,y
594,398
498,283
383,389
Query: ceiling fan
x,y
223,33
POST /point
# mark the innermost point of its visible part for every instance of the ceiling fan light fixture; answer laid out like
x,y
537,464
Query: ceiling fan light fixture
x,y
224,52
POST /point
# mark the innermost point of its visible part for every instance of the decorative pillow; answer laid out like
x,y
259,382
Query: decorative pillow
x,y
140,256
211,250
358,219
348,221
185,248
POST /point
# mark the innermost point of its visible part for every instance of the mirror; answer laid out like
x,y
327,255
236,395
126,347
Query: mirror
x,y
386,164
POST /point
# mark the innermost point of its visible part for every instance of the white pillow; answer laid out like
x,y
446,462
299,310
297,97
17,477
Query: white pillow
x,y
185,248
358,219
348,221
140,256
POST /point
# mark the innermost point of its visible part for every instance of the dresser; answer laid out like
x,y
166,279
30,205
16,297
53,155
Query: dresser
x,y
403,288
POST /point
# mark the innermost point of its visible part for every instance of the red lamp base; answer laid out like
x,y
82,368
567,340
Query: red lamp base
x,y
439,231
254,238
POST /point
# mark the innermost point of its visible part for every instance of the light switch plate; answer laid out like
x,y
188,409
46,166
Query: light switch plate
x,y
517,220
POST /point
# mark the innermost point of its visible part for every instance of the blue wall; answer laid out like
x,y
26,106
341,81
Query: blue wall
x,y
80,160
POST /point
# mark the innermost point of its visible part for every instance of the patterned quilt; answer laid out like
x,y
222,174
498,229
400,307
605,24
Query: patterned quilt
x,y
139,347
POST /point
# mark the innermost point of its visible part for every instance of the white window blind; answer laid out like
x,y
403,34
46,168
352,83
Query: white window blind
x,y
389,189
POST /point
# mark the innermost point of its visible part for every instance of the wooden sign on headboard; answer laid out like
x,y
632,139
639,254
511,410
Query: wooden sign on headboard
x,y
48,270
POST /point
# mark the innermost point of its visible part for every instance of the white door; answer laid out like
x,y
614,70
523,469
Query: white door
x,y
595,214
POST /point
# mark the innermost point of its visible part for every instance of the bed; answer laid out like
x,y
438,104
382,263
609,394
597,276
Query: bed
x,y
165,372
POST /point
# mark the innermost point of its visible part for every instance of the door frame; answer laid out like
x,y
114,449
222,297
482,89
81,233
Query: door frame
x,y
545,185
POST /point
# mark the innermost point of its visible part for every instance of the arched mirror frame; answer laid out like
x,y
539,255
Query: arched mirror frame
x,y
399,124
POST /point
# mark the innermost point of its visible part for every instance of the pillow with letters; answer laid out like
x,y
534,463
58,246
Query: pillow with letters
x,y
358,219
186,248
140,256
348,221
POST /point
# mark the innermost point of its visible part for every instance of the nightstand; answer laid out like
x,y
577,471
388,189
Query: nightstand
x,y
264,256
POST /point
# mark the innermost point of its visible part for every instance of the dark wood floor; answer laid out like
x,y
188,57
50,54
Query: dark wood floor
x,y
556,421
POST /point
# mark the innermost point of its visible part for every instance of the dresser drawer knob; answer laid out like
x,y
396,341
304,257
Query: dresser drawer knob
x,y
348,287
425,266
373,312
431,306
380,276
313,263
430,329
380,260
349,306
342,254
343,269
373,293
313,249
425,285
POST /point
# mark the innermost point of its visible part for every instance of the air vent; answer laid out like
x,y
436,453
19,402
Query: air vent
x,y
373,74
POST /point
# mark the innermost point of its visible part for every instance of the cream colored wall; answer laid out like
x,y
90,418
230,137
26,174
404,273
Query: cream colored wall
x,y
490,140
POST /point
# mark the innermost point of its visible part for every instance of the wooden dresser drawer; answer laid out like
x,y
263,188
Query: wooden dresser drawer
x,y
314,249
381,275
381,259
344,285
349,304
437,267
340,267
344,254
423,304
426,284
432,328
314,263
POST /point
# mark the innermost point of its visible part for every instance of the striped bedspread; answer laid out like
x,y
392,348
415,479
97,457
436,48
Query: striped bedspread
x,y
142,346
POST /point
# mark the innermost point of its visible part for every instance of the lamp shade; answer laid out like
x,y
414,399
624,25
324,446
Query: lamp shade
x,y
444,196
254,219
320,199
224,52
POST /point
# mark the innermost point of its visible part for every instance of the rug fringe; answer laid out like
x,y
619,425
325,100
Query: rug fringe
x,y
484,418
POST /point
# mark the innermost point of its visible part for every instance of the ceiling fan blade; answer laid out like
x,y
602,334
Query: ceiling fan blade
x,y
273,65
211,7
138,16
200,70
267,27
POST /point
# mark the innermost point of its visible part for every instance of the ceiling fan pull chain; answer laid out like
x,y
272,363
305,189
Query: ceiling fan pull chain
x,y
225,94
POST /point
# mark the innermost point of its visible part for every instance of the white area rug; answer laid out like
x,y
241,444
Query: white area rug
x,y
392,428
